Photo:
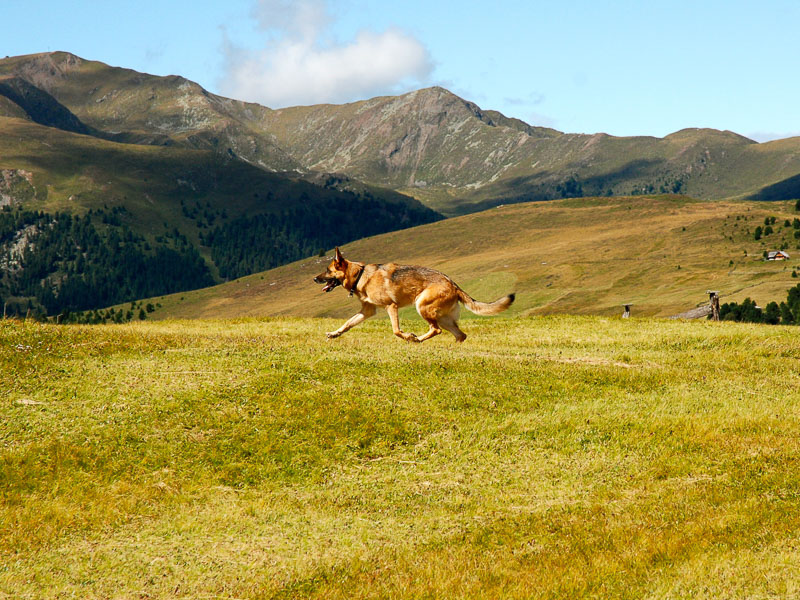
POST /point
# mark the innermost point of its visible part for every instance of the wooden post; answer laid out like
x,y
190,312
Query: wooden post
x,y
627,313
713,298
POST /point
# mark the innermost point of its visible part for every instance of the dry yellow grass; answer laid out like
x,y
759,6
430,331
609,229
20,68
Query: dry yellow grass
x,y
584,256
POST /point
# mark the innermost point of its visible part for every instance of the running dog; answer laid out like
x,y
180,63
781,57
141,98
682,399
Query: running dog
x,y
393,286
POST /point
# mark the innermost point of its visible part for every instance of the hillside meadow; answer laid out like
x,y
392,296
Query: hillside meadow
x,y
546,457
578,256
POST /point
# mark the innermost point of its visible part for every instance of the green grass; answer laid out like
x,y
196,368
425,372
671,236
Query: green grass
x,y
546,457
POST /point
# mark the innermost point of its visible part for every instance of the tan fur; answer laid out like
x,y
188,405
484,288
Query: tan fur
x,y
393,286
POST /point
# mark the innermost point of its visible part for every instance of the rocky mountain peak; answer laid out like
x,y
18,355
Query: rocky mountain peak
x,y
45,70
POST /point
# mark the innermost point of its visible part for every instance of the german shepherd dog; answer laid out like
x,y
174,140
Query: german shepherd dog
x,y
393,286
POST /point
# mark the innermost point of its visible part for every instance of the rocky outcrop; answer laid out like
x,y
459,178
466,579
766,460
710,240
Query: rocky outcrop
x,y
16,186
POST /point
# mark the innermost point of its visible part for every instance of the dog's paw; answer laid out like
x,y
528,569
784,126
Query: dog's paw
x,y
410,337
332,334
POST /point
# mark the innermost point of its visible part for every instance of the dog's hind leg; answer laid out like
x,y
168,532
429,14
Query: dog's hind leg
x,y
434,330
449,323
395,319
367,310
427,310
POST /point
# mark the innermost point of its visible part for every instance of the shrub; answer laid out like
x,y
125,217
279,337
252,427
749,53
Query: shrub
x,y
772,314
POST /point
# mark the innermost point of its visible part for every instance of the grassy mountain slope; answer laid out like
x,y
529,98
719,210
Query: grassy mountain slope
x,y
39,106
584,256
9,108
176,192
78,172
446,151
135,107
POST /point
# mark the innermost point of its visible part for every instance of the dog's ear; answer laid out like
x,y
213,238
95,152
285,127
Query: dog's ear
x,y
338,256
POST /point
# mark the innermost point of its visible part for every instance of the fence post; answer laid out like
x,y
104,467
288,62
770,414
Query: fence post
x,y
713,298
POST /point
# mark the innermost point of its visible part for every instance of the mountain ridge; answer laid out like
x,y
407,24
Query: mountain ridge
x,y
147,109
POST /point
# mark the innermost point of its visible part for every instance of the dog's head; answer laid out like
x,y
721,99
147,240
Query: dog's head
x,y
335,274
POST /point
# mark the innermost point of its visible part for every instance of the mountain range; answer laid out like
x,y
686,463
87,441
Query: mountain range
x,y
79,136
429,143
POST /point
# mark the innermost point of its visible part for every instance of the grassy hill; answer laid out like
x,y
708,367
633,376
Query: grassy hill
x,y
199,197
577,256
75,173
37,105
548,457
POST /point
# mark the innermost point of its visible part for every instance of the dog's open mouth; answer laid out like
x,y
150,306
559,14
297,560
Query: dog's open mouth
x,y
331,284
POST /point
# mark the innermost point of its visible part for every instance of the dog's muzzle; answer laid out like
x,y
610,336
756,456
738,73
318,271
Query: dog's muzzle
x,y
329,283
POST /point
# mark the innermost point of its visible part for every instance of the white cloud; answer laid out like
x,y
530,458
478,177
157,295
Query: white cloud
x,y
295,66
300,18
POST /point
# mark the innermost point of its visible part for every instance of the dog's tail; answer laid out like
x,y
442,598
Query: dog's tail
x,y
485,308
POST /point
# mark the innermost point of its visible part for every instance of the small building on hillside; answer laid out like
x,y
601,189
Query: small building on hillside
x,y
777,255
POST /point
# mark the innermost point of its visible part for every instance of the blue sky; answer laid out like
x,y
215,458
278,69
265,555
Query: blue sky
x,y
620,67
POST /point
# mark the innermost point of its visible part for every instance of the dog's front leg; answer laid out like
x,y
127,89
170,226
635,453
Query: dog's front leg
x,y
395,319
367,310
